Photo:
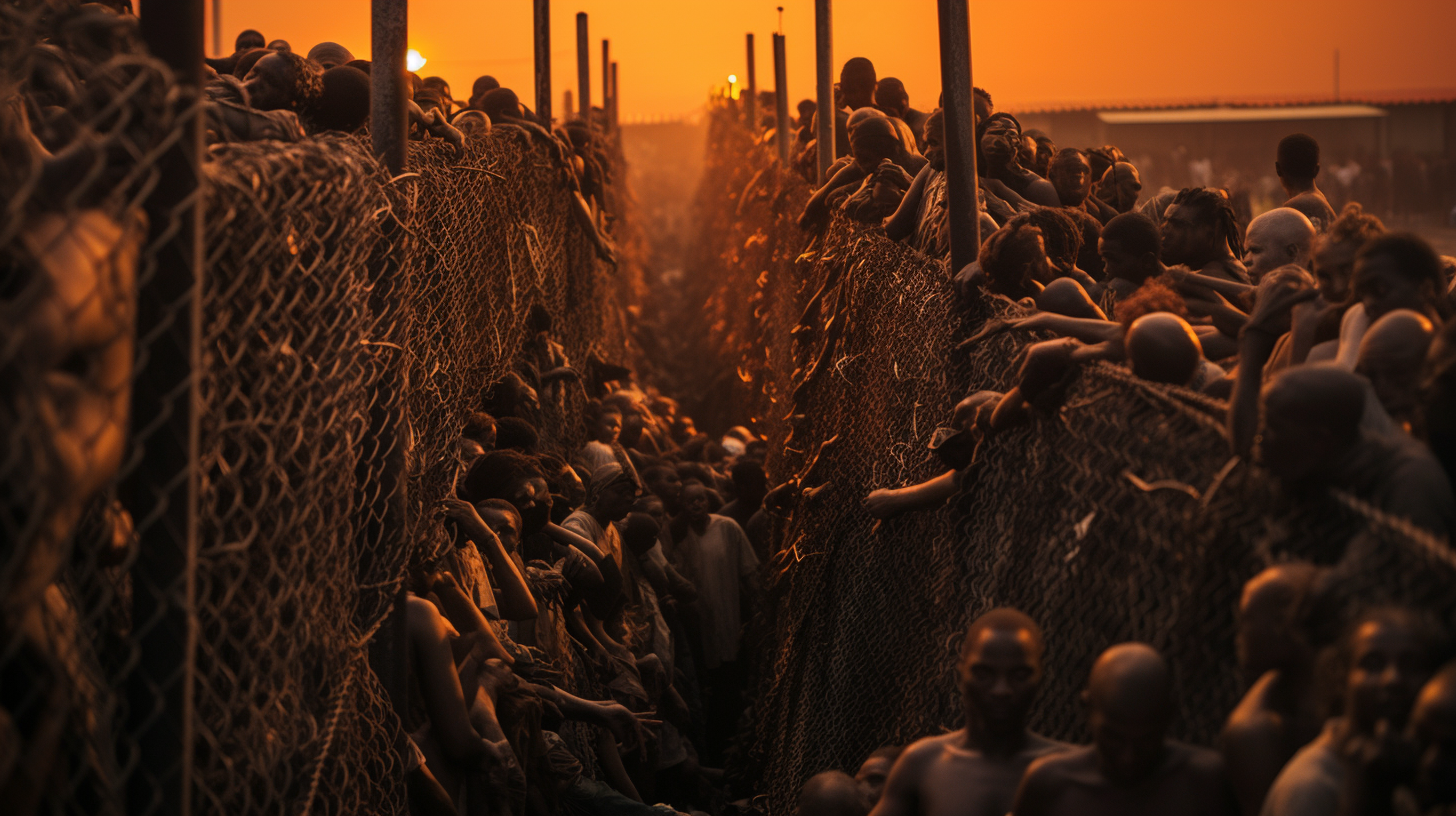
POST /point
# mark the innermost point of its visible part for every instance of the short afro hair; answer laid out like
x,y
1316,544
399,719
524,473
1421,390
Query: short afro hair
x,y
1137,233
1299,157
493,474
1003,619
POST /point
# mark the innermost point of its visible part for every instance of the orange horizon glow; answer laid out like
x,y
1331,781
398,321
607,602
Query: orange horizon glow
x,y
672,54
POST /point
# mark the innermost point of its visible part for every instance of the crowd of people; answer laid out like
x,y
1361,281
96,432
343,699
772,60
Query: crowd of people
x,y
578,645
1332,343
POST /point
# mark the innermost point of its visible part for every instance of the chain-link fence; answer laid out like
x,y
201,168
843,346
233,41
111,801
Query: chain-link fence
x,y
1119,516
220,466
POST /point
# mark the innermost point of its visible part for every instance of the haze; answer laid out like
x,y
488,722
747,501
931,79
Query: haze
x,y
1028,54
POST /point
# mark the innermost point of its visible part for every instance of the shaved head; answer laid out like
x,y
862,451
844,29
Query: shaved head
x,y
1278,237
330,54
1163,348
1311,418
833,793
1391,356
1131,681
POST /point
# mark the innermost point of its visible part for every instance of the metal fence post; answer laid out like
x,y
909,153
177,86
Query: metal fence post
x,y
162,491
960,133
382,455
781,100
615,108
824,78
217,29
606,78
583,68
543,62
752,106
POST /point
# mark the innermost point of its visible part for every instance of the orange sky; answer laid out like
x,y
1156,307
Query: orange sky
x,y
672,51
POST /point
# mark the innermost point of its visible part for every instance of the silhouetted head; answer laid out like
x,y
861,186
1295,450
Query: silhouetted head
x,y
285,81
501,103
1335,249
330,54
875,770
872,140
1014,258
857,82
1311,417
1276,238
891,97
1433,729
344,105
981,101
1200,225
1120,186
833,793
935,139
1399,271
248,40
280,45
1271,632
1392,353
1298,160
1129,247
1162,348
611,491
1130,702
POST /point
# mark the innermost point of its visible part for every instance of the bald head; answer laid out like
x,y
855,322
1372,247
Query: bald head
x,y
1269,635
1391,356
1131,682
1162,348
1278,237
891,97
833,793
1311,418
330,54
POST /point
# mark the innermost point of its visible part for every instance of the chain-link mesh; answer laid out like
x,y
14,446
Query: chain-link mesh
x,y
314,396
1121,516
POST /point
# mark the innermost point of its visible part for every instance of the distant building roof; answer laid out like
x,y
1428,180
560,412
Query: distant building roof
x,y
1380,98
1227,114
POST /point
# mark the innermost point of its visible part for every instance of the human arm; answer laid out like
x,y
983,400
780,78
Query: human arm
x,y
902,223
429,639
1256,342
512,593
462,612
816,212
889,502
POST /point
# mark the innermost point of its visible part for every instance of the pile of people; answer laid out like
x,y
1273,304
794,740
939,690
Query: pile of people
x,y
1332,343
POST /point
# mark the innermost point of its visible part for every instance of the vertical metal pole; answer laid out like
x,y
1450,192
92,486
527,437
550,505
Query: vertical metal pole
x,y
543,63
960,133
382,457
583,67
162,491
752,106
824,85
616,109
606,78
568,103
217,29
389,33
781,100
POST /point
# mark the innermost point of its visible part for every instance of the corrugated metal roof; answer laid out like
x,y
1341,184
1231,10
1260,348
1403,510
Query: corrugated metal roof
x,y
1379,98
1224,114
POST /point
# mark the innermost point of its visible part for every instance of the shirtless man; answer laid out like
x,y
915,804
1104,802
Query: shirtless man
x,y
892,98
1000,146
1131,767
1130,247
1275,238
1119,187
1279,713
974,771
1298,164
1200,231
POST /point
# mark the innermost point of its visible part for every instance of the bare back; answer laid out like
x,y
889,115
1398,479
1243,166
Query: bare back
x,y
1189,781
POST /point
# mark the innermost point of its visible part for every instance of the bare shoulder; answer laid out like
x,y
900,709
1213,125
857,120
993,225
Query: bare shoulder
x,y
1252,720
1204,764
926,750
1059,764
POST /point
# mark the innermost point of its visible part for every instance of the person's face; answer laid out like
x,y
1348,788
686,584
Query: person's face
x,y
1128,750
616,499
935,145
1120,187
1387,669
1334,266
1072,177
655,509
1185,237
532,499
1117,262
1000,676
872,775
470,450
1292,450
667,486
1026,152
1263,254
609,427
269,84
982,108
869,151
503,524
1382,288
999,144
695,502
1433,730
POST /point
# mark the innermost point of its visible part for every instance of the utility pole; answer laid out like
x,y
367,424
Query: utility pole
x,y
824,70
959,114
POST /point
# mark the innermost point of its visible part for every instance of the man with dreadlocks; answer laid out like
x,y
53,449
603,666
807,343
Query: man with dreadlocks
x,y
1201,231
1071,175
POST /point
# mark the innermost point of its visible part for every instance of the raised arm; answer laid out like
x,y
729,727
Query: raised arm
x,y
902,223
512,593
